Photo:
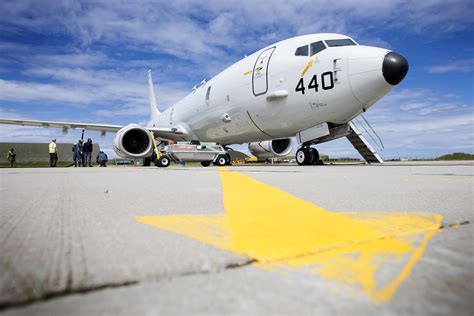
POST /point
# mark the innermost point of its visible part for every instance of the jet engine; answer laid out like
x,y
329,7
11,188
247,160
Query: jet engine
x,y
271,148
133,141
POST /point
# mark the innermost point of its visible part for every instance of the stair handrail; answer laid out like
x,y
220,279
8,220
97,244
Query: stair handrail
x,y
367,133
381,146
358,124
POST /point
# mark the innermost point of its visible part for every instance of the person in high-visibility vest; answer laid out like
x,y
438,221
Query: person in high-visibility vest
x,y
53,153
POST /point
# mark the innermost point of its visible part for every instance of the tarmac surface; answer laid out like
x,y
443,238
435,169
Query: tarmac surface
x,y
338,239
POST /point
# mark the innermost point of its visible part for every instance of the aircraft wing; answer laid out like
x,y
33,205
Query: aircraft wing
x,y
162,132
64,125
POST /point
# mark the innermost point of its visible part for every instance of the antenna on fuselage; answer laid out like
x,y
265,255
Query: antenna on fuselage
x,y
154,112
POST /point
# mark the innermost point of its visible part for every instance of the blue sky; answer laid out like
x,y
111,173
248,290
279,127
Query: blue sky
x,y
87,61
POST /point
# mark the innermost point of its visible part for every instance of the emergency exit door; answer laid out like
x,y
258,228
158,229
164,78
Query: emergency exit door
x,y
260,72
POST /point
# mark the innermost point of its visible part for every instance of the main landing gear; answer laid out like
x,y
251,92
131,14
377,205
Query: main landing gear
x,y
308,156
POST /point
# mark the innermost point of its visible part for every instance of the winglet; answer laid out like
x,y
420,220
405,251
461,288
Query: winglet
x,y
153,106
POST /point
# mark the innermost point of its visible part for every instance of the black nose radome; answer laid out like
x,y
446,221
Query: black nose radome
x,y
394,68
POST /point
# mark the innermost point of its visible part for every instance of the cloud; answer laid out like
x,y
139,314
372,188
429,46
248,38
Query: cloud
x,y
414,122
213,34
80,82
81,59
195,29
463,65
90,58
37,92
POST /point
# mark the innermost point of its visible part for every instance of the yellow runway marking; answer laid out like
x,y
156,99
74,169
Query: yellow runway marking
x,y
310,63
370,253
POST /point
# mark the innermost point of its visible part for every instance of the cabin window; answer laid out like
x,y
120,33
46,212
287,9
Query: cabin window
x,y
317,47
302,51
340,42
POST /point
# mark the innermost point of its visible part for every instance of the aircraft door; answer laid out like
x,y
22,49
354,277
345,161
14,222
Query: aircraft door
x,y
260,72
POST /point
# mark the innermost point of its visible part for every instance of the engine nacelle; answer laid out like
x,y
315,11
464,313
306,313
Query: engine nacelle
x,y
133,141
271,148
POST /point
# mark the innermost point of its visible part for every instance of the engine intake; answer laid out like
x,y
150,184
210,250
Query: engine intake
x,y
133,141
271,148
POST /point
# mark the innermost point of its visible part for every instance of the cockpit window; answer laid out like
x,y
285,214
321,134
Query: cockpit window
x,y
302,51
317,47
340,42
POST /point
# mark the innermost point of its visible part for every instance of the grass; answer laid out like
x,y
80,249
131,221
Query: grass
x,y
456,156
37,164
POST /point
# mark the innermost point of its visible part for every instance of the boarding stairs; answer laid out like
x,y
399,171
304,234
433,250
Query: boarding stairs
x,y
361,144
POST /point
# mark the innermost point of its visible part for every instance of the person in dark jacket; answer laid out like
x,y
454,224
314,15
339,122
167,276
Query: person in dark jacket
x,y
77,153
11,156
102,159
87,149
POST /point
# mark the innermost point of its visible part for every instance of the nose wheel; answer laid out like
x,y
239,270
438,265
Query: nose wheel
x,y
307,156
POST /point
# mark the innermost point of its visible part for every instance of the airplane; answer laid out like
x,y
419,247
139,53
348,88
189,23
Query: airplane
x,y
310,87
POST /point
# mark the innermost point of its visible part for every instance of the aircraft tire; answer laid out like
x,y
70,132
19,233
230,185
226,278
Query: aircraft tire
x,y
315,155
206,163
220,161
303,156
163,162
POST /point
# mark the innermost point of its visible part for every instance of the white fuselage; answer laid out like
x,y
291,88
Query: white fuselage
x,y
260,97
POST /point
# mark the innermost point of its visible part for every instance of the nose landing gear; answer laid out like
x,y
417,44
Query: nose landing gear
x,y
308,156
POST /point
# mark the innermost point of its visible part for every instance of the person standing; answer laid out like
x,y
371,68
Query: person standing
x,y
53,153
87,149
78,152
74,153
11,156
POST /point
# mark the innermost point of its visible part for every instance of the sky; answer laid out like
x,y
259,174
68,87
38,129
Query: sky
x,y
87,61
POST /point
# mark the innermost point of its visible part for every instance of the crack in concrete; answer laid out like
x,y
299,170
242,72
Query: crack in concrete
x,y
46,296
51,295
454,225
71,291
